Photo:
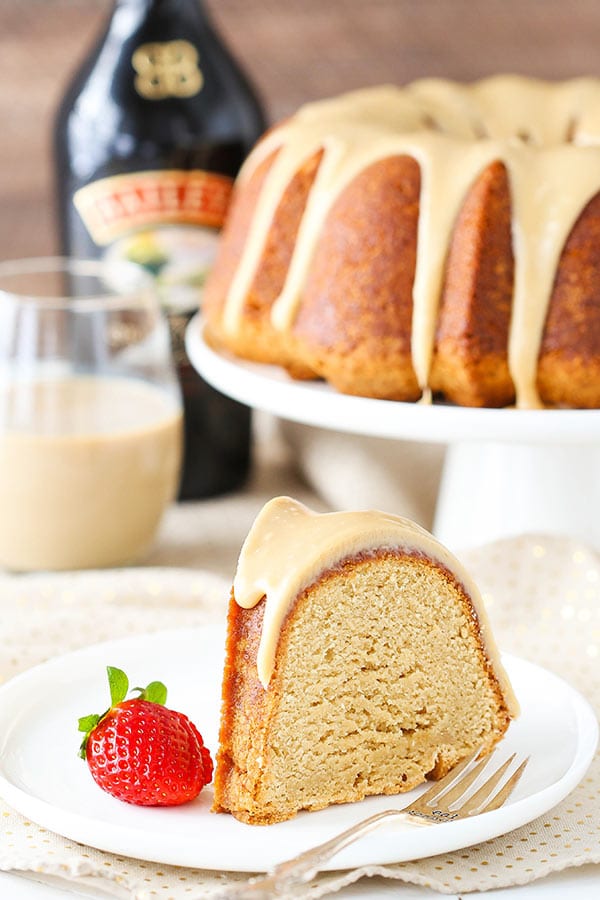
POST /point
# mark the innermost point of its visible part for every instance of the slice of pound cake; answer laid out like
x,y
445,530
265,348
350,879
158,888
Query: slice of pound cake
x,y
359,661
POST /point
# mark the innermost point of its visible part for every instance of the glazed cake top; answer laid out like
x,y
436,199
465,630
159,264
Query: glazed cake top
x,y
546,134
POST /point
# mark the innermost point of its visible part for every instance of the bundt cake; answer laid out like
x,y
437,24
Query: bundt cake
x,y
437,238
359,661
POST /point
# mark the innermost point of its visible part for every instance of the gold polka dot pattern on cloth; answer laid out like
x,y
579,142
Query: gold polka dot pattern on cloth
x,y
543,597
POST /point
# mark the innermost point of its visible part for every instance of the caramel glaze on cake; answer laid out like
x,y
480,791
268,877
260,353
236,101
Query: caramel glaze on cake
x,y
439,237
359,661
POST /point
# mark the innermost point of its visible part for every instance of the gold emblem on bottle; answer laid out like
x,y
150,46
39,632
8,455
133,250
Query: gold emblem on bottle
x,y
168,69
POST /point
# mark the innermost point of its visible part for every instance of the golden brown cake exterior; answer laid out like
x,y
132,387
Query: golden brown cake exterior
x,y
382,672
470,363
569,363
346,260
354,323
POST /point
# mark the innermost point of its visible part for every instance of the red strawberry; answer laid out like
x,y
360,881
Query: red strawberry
x,y
141,752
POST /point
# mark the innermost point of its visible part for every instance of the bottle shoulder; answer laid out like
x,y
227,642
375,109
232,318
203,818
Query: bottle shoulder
x,y
126,105
170,133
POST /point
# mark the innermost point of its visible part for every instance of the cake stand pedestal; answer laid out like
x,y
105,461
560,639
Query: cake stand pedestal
x,y
506,471
492,489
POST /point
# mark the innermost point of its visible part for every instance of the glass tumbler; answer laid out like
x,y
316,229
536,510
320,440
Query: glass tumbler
x,y
90,415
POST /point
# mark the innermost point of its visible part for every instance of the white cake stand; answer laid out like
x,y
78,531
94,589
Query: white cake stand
x,y
506,471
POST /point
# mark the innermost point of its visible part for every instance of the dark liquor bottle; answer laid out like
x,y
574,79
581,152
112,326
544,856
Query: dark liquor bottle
x,y
148,138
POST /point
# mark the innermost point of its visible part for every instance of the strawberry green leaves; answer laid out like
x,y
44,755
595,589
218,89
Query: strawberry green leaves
x,y
118,684
155,692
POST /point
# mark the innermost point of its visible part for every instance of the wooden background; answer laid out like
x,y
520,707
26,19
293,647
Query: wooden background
x,y
294,50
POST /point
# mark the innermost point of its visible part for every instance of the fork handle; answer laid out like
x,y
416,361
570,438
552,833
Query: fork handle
x,y
284,878
307,864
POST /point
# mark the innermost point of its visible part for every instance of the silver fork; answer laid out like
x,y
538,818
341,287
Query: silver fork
x,y
437,805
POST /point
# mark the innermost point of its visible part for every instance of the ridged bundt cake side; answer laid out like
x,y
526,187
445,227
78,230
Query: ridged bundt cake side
x,y
439,236
362,344
359,661
470,358
258,340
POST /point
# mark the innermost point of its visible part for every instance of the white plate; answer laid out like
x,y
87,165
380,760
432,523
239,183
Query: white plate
x,y
315,403
42,777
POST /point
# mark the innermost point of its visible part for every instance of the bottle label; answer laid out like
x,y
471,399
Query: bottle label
x,y
165,221
167,69
112,207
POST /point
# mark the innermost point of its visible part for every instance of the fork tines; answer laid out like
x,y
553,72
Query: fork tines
x,y
455,786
